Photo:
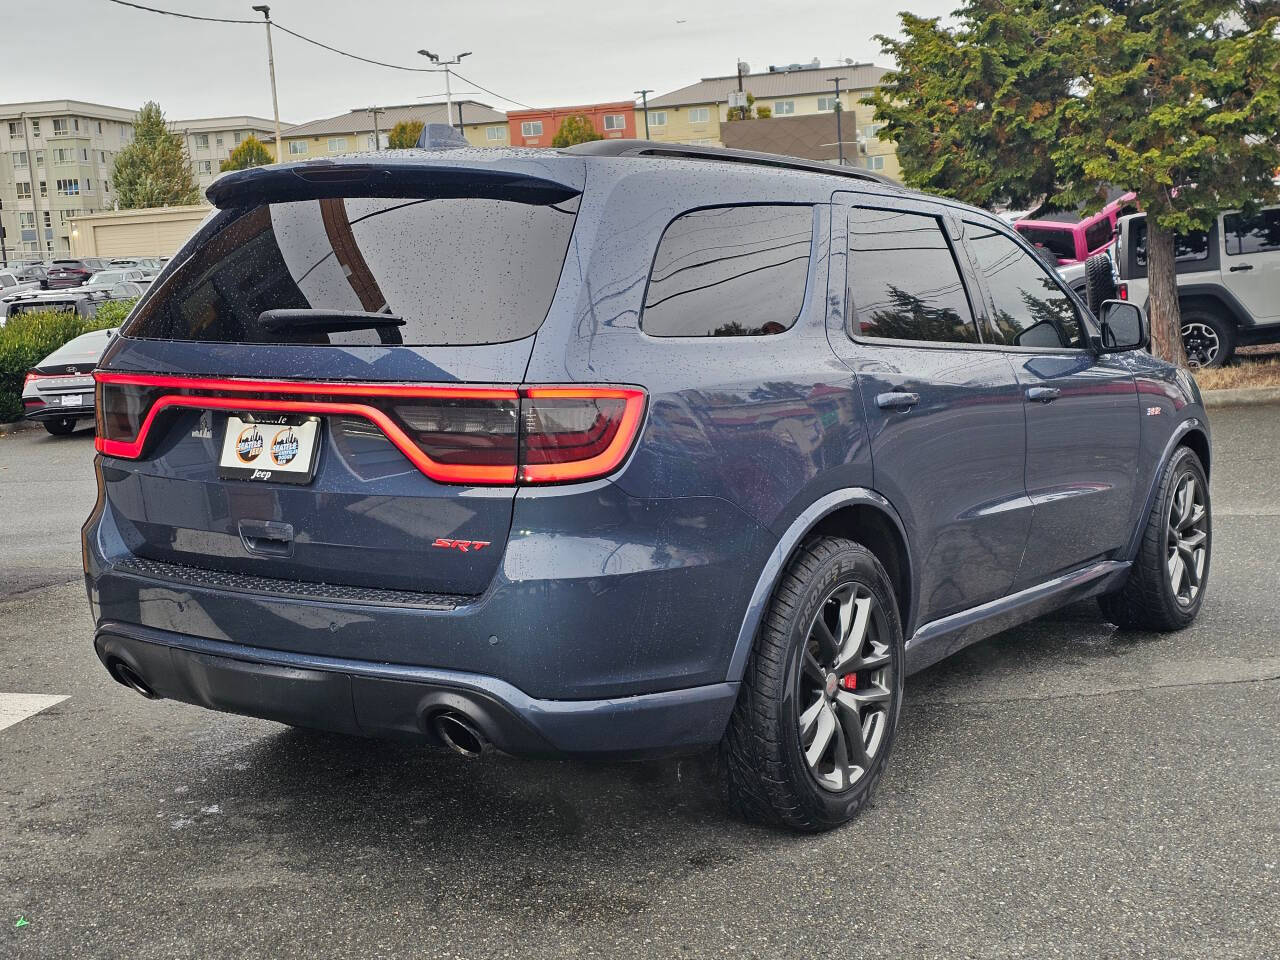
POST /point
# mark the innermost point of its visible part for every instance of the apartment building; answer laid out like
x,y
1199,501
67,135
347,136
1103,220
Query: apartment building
x,y
536,128
55,165
353,132
696,113
210,140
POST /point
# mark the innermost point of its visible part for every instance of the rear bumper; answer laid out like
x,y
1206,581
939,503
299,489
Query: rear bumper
x,y
48,411
400,701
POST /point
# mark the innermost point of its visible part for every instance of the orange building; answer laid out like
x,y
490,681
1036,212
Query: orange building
x,y
535,128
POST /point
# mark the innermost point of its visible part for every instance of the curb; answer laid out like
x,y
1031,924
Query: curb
x,y
17,425
1241,397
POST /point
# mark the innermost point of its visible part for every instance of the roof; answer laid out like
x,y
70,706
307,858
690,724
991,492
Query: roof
x,y
361,120
201,124
44,108
782,83
577,108
812,137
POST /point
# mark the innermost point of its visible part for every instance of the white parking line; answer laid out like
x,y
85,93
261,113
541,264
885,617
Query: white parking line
x,y
15,707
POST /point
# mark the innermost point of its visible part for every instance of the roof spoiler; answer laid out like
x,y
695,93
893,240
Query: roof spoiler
x,y
441,136
316,179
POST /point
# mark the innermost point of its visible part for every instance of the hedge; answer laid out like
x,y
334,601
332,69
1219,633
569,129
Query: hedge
x,y
28,338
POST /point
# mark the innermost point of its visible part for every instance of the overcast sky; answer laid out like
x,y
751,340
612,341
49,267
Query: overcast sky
x,y
540,52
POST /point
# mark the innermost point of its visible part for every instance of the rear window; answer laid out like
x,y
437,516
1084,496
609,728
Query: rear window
x,y
456,271
1060,242
1257,234
1187,247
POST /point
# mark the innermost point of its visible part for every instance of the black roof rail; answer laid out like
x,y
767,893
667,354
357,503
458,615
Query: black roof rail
x,y
653,148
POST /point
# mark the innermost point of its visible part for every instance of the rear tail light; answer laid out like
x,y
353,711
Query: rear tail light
x,y
1122,291
467,435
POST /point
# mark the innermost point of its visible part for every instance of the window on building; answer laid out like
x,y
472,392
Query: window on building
x,y
875,163
202,141
20,160
699,114
217,142
102,156
1256,234
1031,308
657,118
531,128
297,146
826,103
15,128
24,189
35,128
205,167
84,154
495,133
783,107
75,124
44,188
69,188
730,272
239,136
61,127
99,127
615,121
48,219
336,144
26,220
88,186
903,280
39,158
63,156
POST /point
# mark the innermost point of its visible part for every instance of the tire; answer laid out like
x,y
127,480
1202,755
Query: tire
x,y
1208,334
764,773
1150,599
62,427
1100,282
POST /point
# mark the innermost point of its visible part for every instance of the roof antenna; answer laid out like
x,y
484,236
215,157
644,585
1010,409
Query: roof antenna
x,y
440,136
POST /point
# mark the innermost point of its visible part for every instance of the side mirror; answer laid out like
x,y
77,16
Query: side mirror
x,y
1124,327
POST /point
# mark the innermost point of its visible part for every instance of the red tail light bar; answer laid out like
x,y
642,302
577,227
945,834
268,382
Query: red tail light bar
x,y
496,436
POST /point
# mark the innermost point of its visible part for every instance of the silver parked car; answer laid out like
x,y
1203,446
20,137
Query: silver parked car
x,y
58,391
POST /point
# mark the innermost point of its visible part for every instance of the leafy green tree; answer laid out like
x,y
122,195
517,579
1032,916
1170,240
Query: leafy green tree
x,y
575,128
250,153
404,134
154,170
764,113
1027,101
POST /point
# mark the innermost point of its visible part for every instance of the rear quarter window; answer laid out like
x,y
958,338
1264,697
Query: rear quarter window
x,y
457,271
730,272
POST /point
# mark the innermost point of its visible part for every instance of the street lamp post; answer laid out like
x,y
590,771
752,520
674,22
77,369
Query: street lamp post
x,y
265,10
644,98
839,110
377,134
446,64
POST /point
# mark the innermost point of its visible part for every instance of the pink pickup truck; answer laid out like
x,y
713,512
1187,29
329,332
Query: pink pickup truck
x,y
1074,240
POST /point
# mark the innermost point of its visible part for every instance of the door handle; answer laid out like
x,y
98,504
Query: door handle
x,y
1241,266
897,400
269,537
1043,394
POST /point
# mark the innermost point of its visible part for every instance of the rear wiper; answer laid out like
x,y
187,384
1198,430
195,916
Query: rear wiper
x,y
325,321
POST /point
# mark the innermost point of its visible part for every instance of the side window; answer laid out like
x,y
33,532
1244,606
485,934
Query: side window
x,y
1031,308
1098,234
1257,234
903,280
730,272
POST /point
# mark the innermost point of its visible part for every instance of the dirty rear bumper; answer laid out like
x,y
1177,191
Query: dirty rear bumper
x,y
399,701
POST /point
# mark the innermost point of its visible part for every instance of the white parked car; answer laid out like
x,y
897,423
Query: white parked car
x,y
58,391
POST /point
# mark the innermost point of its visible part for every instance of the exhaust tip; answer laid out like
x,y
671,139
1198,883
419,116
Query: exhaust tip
x,y
124,674
460,735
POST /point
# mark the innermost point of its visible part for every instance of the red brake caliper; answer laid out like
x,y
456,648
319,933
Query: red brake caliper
x,y
849,681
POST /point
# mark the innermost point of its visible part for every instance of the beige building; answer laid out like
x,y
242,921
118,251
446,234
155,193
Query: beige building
x,y
148,232
696,113
210,140
353,132
55,165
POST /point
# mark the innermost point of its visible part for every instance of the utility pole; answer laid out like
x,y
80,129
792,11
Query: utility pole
x,y
377,134
644,98
446,64
34,173
839,110
265,10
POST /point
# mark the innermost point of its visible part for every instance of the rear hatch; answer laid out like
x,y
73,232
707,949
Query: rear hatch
x,y
324,385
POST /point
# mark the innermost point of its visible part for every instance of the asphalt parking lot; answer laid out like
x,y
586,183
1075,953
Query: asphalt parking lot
x,y
1060,790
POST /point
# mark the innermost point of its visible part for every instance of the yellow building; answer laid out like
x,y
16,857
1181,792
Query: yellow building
x,y
694,114
353,132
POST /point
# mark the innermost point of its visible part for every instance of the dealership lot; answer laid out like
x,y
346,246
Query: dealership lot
x,y
1059,790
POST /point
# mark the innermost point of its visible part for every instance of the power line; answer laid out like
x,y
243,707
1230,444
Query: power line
x,y
317,43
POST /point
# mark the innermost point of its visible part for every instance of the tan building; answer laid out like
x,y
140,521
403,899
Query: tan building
x,y
148,232
55,165
696,113
353,132
210,140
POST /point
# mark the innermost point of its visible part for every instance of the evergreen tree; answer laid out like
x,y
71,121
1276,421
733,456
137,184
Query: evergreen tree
x,y
154,170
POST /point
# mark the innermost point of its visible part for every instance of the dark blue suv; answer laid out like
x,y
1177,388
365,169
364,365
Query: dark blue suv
x,y
621,450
